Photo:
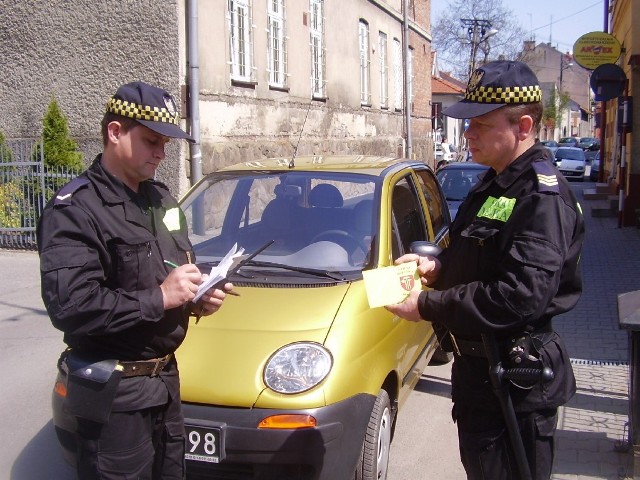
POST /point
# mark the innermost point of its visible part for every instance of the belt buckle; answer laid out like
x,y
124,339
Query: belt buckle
x,y
455,345
160,363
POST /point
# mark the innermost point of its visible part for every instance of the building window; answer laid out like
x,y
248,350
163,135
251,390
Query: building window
x,y
240,40
316,15
397,75
384,70
276,47
365,83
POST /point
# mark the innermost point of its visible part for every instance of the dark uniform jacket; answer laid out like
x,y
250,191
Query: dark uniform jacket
x,y
102,248
512,265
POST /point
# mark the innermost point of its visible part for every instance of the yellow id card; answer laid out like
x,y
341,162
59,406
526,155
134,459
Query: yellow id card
x,y
390,285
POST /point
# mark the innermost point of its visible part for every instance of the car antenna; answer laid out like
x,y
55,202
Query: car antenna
x,y
295,150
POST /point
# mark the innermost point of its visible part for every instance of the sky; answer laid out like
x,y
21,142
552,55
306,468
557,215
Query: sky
x,y
560,22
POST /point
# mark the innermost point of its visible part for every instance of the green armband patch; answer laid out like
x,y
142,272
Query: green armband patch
x,y
497,208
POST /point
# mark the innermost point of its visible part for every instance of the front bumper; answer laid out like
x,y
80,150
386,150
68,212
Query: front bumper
x,y
328,451
572,173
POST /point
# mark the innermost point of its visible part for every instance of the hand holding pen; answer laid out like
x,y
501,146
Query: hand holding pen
x,y
180,285
212,300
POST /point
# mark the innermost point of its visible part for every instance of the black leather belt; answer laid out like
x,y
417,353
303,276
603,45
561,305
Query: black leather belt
x,y
467,347
474,348
142,368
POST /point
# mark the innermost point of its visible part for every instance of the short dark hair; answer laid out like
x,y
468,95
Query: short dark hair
x,y
126,123
515,111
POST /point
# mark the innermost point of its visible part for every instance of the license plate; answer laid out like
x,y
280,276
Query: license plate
x,y
204,443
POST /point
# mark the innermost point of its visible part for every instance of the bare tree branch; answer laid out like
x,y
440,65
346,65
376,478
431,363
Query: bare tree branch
x,y
453,45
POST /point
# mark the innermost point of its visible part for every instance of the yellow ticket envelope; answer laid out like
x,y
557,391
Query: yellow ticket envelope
x,y
389,285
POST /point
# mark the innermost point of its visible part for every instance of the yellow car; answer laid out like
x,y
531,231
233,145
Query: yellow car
x,y
298,377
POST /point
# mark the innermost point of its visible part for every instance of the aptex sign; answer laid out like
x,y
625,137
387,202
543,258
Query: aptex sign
x,y
596,48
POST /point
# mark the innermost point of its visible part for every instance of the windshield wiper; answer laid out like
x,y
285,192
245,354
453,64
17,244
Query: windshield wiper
x,y
310,271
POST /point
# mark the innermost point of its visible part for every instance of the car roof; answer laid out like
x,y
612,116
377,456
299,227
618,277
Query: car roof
x,y
569,148
371,164
463,165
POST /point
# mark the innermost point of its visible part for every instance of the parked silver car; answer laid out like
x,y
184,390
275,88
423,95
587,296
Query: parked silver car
x,y
571,162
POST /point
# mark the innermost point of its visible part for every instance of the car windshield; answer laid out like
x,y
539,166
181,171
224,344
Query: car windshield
x,y
321,221
569,154
456,182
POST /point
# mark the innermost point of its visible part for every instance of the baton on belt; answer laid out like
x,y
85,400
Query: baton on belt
x,y
499,377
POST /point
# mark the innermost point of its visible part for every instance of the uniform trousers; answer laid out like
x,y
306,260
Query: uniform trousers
x,y
138,445
485,445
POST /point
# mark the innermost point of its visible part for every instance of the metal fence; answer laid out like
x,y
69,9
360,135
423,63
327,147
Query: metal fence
x,y
26,185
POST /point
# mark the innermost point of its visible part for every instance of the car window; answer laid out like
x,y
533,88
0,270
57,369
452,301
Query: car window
x,y
317,220
408,218
569,154
436,205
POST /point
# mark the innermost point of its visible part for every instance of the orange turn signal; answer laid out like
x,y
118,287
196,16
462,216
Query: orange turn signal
x,y
60,389
288,421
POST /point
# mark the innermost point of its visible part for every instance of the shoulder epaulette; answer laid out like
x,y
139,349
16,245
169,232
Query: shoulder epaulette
x,y
64,195
547,177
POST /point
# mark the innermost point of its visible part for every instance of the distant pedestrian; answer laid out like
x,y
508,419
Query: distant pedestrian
x,y
107,241
512,265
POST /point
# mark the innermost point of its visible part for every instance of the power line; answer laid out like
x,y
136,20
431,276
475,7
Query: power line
x,y
567,17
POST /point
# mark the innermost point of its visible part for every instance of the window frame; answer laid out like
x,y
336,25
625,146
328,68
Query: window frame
x,y
364,43
240,41
277,43
317,47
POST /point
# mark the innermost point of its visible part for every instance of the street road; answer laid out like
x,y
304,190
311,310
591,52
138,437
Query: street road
x,y
425,443
29,348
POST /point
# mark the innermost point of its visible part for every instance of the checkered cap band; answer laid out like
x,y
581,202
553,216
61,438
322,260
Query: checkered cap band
x,y
142,112
505,95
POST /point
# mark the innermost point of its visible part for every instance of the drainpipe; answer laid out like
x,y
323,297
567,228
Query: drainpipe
x,y
407,90
194,91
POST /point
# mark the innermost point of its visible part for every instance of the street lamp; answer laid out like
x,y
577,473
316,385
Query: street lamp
x,y
479,31
563,67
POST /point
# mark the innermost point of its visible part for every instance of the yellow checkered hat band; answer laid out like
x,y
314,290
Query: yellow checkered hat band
x,y
142,112
505,95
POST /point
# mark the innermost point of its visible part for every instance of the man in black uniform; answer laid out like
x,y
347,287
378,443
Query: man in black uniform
x,y
106,242
512,265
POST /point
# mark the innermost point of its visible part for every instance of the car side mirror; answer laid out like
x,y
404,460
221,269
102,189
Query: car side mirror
x,y
423,248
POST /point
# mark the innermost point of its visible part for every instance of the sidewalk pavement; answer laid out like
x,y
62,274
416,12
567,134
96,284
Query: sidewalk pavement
x,y
592,440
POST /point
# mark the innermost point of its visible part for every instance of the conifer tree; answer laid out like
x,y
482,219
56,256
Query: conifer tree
x,y
6,155
60,150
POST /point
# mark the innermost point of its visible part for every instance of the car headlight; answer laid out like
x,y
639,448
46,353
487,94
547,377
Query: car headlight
x,y
297,367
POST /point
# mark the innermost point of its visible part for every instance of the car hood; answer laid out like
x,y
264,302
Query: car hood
x,y
222,358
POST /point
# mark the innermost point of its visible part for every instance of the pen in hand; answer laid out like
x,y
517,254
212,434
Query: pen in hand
x,y
231,292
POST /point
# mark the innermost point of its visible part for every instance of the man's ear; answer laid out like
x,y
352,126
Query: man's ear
x,y
114,130
525,127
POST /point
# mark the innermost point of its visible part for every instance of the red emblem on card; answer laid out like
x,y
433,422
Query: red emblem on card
x,y
407,282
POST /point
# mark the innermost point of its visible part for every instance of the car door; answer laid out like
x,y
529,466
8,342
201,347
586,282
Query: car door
x,y
411,222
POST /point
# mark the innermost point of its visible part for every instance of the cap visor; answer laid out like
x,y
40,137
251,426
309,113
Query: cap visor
x,y
464,109
167,129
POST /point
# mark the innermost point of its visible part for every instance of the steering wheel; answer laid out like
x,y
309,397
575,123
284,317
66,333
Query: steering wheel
x,y
343,238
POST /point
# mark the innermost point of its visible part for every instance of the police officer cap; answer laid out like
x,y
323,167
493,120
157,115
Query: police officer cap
x,y
494,85
151,106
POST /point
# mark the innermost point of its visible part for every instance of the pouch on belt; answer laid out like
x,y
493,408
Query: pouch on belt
x,y
91,387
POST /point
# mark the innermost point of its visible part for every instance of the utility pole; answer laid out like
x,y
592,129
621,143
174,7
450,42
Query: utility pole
x,y
478,31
